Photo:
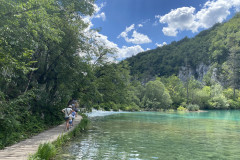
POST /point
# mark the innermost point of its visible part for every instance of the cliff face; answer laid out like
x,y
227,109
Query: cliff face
x,y
200,71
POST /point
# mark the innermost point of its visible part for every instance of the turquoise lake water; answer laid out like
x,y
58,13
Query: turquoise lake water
x,y
158,135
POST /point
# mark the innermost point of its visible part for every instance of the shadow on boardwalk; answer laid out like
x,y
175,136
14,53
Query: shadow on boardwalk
x,y
22,150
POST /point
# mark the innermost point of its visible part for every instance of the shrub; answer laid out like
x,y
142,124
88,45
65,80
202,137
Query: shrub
x,y
96,106
192,107
181,108
219,102
233,104
45,151
170,110
48,151
184,104
133,107
115,108
107,106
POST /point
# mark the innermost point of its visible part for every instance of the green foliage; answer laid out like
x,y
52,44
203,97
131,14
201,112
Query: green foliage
x,y
39,68
233,104
108,106
113,82
45,151
49,150
223,40
18,121
167,60
156,95
192,107
210,46
96,106
217,100
130,107
202,96
176,89
181,108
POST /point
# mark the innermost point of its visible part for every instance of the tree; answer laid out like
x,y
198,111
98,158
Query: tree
x,y
234,61
175,88
113,81
218,100
40,68
156,95
201,97
225,48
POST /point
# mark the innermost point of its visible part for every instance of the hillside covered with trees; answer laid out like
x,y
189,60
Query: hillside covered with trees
x,y
176,65
210,47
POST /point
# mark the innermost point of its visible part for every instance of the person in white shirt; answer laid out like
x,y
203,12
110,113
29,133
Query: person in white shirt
x,y
67,112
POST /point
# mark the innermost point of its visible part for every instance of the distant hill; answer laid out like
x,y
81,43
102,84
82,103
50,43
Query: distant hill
x,y
188,52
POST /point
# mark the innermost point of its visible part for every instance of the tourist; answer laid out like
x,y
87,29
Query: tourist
x,y
70,120
67,112
73,116
75,106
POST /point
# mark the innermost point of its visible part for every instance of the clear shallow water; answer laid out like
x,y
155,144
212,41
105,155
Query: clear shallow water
x,y
157,135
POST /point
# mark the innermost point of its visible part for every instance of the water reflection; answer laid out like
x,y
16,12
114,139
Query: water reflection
x,y
156,135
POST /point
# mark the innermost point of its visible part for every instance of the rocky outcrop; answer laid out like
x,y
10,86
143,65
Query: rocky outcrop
x,y
198,73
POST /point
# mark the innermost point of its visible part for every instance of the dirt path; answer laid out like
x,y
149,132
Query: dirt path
x,y
22,150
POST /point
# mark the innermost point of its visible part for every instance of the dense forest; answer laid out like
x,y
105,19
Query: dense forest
x,y
41,67
210,47
201,72
48,58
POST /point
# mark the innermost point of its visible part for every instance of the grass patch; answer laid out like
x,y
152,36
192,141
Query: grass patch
x,y
49,151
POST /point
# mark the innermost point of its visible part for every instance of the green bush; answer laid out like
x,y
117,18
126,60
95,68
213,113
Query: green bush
x,y
23,117
233,104
218,102
96,106
122,107
170,110
115,108
192,107
181,108
48,151
184,104
131,107
45,151
108,106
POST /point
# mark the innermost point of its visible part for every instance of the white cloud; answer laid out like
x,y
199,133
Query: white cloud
x,y
124,34
101,40
136,38
88,19
185,18
98,8
101,15
140,25
160,45
179,19
126,52
213,12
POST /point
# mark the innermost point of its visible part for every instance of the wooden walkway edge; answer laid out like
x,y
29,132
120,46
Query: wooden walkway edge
x,y
23,149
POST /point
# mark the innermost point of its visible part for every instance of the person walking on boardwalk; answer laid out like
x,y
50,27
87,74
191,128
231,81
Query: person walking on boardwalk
x,y
73,117
67,112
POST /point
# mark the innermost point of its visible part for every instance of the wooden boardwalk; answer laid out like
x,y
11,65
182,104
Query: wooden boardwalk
x,y
23,149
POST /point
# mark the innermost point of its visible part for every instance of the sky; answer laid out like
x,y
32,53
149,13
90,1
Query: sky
x,y
134,26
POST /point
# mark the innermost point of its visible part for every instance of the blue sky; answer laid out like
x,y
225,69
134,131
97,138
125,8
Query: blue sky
x,y
134,26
